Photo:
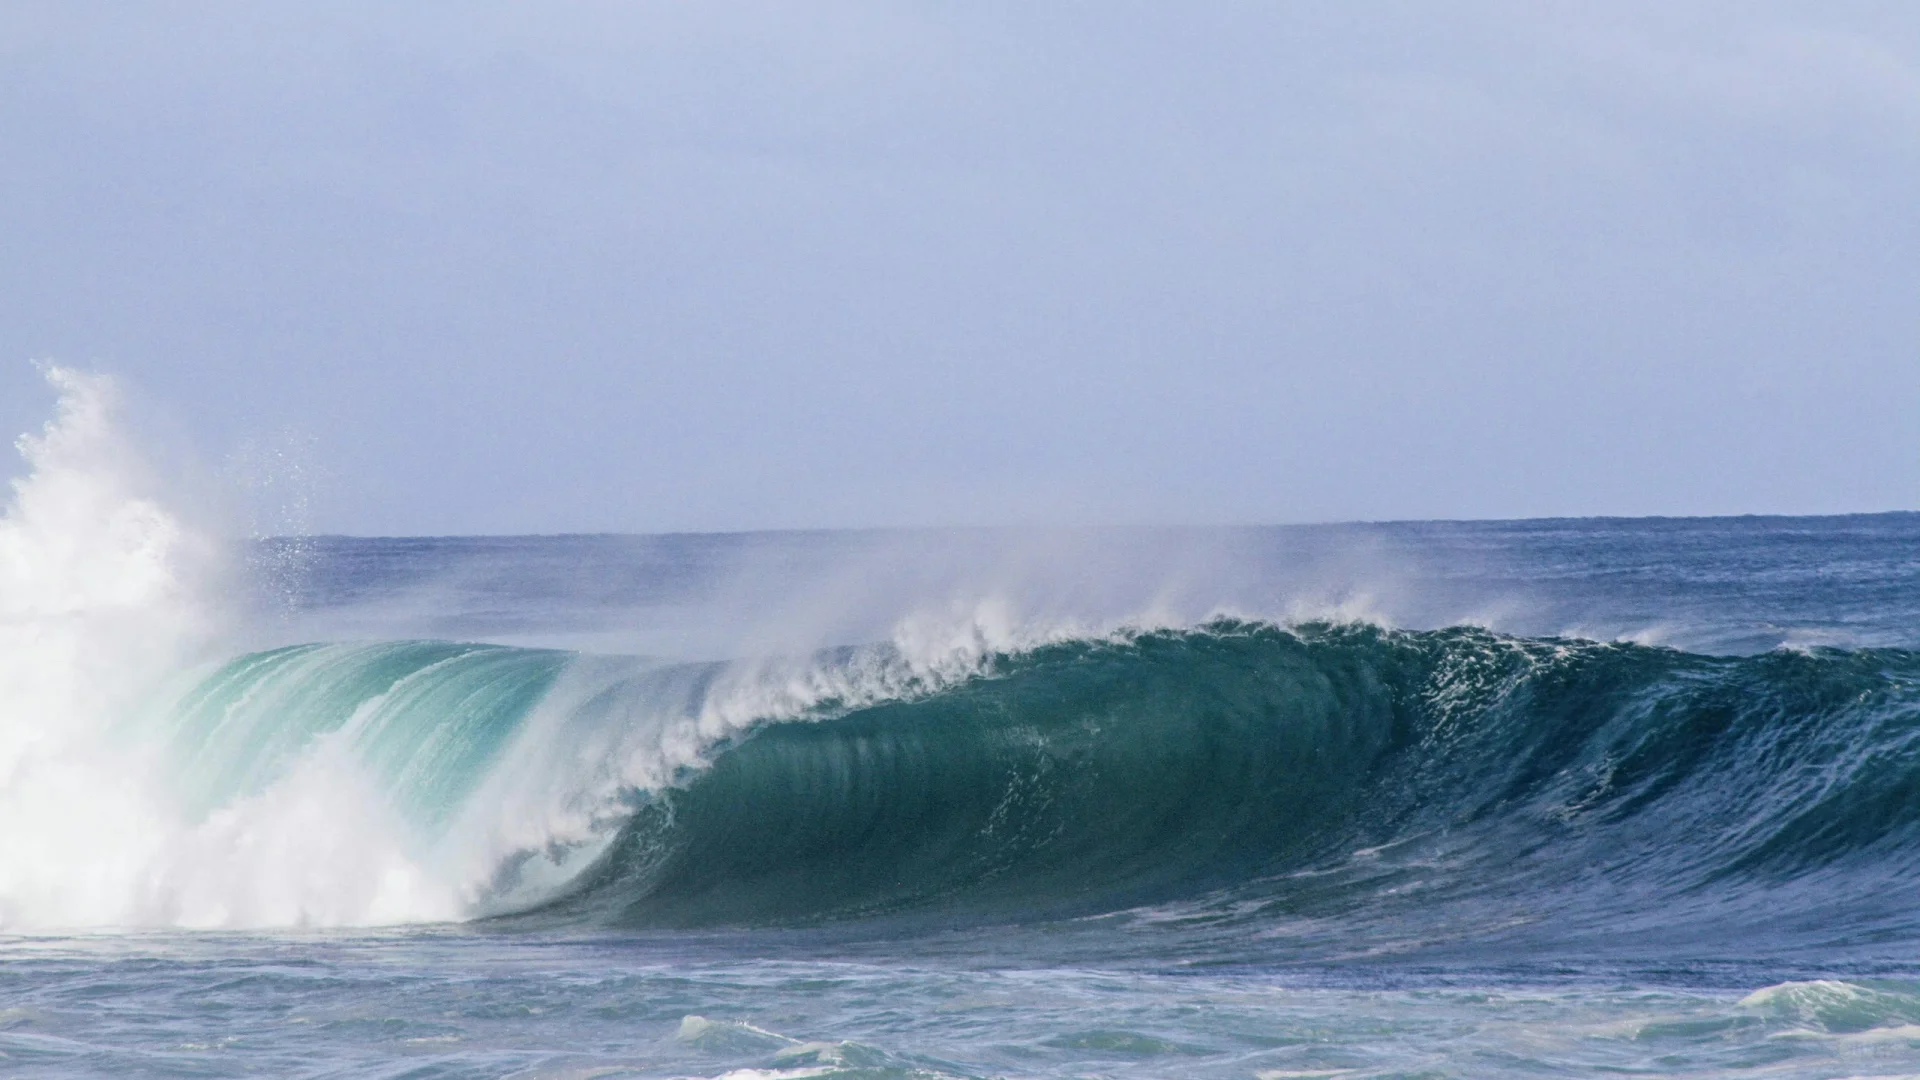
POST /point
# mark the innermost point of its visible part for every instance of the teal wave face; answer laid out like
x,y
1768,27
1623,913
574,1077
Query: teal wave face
x,y
1089,773
1323,772
425,719
1249,776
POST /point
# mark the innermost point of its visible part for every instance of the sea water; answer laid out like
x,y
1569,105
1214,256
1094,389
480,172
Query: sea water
x,y
1483,799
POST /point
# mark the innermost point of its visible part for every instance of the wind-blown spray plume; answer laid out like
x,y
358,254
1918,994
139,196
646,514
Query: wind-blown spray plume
x,y
105,596
96,605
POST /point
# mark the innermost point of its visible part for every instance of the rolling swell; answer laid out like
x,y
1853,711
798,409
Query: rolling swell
x,y
1267,772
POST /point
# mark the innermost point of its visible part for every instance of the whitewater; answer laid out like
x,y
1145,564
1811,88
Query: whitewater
x,y
1467,799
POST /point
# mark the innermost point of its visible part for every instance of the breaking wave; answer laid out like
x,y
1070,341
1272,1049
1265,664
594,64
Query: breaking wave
x,y
1235,773
1320,769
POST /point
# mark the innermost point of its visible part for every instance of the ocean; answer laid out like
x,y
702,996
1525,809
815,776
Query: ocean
x,y
1438,799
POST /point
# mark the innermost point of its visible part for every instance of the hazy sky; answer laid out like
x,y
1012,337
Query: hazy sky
x,y
652,266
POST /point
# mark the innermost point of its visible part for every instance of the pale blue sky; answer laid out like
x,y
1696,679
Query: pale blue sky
x,y
654,266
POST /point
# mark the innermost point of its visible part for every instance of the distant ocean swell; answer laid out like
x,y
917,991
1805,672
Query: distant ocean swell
x,y
1237,771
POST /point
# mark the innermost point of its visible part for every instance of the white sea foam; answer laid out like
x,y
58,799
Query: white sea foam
x,y
96,603
105,593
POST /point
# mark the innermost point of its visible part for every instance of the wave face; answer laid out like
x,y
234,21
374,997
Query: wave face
x,y
1083,775
1238,772
1320,770
1319,779
426,718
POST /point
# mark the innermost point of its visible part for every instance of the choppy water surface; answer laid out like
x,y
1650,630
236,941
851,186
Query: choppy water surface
x,y
480,1005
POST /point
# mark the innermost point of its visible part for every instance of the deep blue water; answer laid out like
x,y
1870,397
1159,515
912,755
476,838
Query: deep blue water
x,y
1426,799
